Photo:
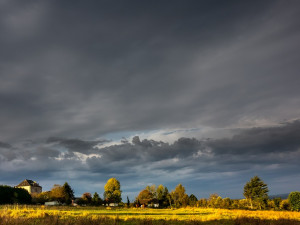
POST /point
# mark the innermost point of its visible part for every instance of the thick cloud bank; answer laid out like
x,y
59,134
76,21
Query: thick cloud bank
x,y
272,152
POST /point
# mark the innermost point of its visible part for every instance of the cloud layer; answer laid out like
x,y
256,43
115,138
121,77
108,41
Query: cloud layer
x,y
271,152
102,67
210,88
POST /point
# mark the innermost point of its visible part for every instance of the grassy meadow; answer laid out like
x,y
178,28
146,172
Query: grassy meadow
x,y
27,215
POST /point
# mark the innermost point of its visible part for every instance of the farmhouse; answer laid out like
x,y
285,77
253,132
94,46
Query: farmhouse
x,y
31,186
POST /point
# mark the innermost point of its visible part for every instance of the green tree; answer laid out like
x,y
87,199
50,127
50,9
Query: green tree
x,y
294,200
167,198
112,191
10,195
193,200
277,202
162,194
160,191
68,193
128,202
96,200
179,197
21,196
256,191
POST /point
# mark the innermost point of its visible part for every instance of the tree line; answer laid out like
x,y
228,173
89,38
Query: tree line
x,y
10,195
65,195
255,193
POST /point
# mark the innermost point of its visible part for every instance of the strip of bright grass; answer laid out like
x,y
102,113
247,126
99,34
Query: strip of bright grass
x,y
174,216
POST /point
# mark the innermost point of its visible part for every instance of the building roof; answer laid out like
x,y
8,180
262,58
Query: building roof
x,y
27,182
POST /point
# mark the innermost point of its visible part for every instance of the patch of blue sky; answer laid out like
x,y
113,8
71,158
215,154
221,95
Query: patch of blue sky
x,y
115,136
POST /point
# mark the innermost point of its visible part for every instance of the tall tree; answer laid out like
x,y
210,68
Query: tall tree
x,y
193,200
57,193
128,202
160,191
162,195
112,191
68,193
256,191
96,200
179,197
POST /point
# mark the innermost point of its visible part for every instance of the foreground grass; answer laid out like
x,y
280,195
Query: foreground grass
x,y
54,220
12,215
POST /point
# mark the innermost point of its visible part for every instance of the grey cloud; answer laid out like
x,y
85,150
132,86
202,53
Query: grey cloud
x,y
27,152
4,145
283,138
116,68
256,146
76,145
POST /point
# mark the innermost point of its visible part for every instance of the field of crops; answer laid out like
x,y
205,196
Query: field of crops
x,y
72,215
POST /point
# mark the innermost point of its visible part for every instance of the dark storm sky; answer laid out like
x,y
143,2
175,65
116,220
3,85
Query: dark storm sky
x,y
211,88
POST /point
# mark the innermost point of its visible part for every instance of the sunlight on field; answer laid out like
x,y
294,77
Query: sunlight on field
x,y
186,214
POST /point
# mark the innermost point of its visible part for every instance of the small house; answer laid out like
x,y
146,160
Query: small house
x,y
31,186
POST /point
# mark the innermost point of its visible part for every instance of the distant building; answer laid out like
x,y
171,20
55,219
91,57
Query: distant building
x,y
113,204
150,203
52,203
31,186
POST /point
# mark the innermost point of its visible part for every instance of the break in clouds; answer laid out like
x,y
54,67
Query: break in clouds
x,y
271,152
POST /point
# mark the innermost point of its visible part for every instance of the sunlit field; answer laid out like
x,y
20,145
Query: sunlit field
x,y
83,215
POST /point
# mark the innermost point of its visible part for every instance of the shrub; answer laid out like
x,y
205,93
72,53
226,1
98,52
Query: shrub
x,y
284,205
294,200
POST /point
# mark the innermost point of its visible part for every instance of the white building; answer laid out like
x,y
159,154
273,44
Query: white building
x,y
52,203
31,186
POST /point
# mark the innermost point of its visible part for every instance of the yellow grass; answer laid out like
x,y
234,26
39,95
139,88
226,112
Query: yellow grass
x,y
184,214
